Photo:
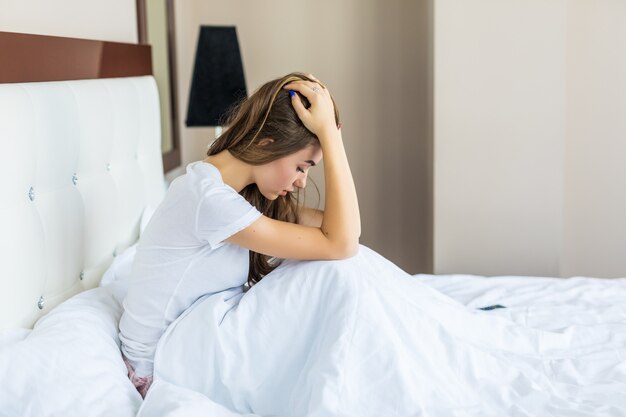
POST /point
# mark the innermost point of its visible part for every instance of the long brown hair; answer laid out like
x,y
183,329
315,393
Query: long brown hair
x,y
267,113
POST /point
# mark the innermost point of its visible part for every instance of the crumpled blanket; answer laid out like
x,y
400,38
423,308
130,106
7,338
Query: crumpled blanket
x,y
361,337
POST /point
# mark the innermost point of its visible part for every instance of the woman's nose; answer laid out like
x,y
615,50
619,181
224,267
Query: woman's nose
x,y
300,182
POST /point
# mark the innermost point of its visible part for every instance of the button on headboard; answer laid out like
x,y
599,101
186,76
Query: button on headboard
x,y
79,163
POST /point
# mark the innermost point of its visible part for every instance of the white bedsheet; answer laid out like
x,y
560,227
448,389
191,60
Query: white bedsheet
x,y
362,338
540,302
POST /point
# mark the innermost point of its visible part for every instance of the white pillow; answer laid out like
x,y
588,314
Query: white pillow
x,y
69,364
117,276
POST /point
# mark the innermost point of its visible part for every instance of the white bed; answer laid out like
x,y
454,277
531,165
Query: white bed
x,y
79,180
70,365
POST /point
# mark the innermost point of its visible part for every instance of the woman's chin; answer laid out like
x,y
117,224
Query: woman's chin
x,y
272,196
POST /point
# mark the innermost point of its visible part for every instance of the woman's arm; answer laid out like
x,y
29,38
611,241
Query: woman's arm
x,y
338,235
342,220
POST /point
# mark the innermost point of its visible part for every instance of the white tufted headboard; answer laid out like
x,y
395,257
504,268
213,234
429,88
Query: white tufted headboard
x,y
80,162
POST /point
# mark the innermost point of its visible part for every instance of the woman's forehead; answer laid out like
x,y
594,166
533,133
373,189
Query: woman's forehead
x,y
311,153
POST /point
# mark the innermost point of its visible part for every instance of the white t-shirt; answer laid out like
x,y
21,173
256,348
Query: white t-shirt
x,y
181,256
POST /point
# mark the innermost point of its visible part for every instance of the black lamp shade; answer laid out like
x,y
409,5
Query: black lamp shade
x,y
218,81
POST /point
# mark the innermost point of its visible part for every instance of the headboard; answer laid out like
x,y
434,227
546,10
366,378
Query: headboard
x,y
80,162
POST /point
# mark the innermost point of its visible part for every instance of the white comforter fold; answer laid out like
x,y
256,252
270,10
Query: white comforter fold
x,y
360,337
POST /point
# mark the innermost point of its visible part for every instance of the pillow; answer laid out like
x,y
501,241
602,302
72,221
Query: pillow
x,y
117,275
69,364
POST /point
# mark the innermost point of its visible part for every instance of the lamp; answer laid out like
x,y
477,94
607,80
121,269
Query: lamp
x,y
218,81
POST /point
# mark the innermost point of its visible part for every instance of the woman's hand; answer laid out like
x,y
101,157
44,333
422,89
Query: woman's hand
x,y
319,118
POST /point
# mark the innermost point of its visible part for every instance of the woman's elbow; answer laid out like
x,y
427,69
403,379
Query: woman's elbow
x,y
348,249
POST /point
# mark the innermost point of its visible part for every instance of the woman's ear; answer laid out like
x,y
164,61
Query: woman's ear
x,y
265,141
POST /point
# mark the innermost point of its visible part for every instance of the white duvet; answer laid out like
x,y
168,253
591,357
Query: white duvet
x,y
360,337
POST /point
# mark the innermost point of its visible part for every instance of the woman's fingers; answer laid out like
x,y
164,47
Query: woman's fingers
x,y
301,111
320,114
316,80
307,88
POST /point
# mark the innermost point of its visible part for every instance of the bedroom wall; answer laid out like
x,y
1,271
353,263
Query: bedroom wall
x,y
111,20
529,137
374,57
499,130
594,235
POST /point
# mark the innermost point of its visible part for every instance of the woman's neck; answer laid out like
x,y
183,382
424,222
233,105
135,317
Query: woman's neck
x,y
235,173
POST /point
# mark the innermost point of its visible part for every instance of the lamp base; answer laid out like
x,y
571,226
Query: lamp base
x,y
218,132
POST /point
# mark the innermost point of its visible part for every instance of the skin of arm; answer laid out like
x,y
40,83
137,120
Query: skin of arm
x,y
342,220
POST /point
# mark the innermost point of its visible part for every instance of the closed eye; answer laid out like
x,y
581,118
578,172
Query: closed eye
x,y
300,170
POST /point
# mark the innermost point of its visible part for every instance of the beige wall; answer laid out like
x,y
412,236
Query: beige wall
x,y
373,56
499,132
110,20
594,235
530,99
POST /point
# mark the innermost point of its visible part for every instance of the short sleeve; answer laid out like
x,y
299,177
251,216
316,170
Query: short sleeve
x,y
221,213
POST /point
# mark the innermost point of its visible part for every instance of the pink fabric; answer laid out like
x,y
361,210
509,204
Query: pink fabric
x,y
142,383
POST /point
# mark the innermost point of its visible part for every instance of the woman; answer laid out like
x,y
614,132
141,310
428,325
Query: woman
x,y
335,329
264,155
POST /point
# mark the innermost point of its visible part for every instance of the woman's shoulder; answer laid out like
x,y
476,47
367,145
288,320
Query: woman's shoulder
x,y
203,170
199,177
203,184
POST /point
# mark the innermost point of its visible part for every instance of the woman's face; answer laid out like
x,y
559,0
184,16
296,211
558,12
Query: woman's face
x,y
285,174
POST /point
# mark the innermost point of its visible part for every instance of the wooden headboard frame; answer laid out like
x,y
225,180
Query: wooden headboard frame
x,y
80,130
33,58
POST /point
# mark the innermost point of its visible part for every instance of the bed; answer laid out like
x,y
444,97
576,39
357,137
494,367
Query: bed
x,y
80,180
